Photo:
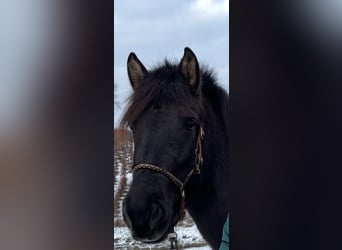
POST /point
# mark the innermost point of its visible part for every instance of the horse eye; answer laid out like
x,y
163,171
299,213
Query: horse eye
x,y
190,123
131,127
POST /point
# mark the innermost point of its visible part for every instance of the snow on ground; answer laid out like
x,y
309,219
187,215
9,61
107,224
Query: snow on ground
x,y
188,238
199,248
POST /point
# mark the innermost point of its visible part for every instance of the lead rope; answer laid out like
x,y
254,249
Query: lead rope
x,y
172,237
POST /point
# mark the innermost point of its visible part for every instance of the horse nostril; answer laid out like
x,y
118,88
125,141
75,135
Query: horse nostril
x,y
156,215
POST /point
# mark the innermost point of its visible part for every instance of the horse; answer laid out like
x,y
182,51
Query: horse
x,y
178,115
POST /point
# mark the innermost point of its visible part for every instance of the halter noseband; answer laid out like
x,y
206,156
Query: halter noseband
x,y
181,185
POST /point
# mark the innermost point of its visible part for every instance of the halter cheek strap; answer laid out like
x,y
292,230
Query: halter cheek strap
x,y
181,185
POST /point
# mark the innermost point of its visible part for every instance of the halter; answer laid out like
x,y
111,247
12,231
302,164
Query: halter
x,y
181,185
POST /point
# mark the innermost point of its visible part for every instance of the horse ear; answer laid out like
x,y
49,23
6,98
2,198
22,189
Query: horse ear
x,y
190,68
136,70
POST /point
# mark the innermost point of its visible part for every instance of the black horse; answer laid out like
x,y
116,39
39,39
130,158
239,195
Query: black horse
x,y
172,105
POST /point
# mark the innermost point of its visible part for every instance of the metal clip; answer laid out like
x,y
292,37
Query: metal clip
x,y
172,237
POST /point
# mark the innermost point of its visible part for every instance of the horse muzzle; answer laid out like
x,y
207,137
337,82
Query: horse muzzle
x,y
147,222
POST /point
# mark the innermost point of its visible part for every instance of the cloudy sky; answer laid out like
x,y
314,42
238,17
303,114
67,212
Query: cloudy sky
x,y
156,29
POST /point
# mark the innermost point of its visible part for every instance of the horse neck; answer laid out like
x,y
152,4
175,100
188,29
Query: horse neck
x,y
215,147
212,181
214,172
207,200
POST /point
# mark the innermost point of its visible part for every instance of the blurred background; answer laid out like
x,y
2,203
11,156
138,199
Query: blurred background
x,y
55,92
285,124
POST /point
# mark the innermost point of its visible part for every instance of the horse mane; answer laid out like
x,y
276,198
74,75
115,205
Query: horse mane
x,y
165,84
217,96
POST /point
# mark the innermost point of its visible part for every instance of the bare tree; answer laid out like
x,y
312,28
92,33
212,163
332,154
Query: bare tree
x,y
117,104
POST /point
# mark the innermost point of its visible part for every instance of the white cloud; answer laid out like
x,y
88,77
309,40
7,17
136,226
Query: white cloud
x,y
211,8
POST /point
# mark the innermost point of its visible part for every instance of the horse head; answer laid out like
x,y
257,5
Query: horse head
x,y
166,117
